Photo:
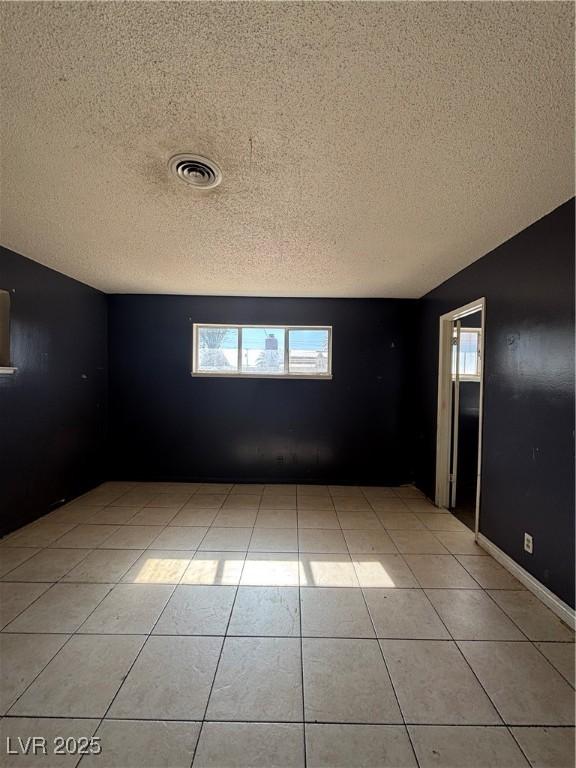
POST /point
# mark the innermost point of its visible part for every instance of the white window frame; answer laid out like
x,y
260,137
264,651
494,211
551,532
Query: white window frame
x,y
472,376
6,367
239,375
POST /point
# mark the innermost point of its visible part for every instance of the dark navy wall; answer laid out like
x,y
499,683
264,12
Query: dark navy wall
x,y
359,427
166,424
53,409
528,430
468,426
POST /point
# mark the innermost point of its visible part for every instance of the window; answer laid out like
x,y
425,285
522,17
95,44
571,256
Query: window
x,y
275,351
262,351
5,366
216,349
469,367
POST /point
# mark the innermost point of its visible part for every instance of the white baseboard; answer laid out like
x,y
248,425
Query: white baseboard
x,y
552,601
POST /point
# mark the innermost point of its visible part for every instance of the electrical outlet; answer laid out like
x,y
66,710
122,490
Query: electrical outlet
x,y
528,543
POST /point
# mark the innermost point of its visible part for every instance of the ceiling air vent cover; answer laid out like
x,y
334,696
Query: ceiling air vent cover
x,y
196,171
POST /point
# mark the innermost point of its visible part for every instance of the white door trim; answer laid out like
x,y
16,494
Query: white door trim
x,y
455,414
444,407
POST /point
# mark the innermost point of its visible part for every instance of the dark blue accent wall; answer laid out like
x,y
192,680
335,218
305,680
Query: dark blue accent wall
x,y
528,431
166,424
468,427
53,409
375,422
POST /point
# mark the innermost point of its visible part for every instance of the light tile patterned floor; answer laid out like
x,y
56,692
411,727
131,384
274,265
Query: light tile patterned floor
x,y
275,625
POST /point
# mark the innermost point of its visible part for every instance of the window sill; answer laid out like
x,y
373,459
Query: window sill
x,y
7,370
319,377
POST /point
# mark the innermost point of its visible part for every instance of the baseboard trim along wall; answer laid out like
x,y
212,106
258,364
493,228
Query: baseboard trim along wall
x,y
559,607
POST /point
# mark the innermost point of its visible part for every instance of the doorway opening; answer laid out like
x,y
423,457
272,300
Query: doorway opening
x,y
460,395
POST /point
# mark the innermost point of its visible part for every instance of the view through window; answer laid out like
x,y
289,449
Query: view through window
x,y
469,363
250,350
4,328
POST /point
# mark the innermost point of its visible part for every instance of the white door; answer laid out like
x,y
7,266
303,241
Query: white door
x,y
450,376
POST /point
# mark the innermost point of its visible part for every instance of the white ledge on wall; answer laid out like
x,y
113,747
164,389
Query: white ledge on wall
x,y
7,369
285,377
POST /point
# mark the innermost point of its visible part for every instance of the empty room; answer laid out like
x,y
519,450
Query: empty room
x,y
287,384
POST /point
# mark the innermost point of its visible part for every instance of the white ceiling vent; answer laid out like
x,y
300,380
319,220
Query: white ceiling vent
x,y
196,171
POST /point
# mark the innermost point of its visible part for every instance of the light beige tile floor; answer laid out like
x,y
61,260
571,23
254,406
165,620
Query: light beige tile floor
x,y
188,624
196,609
266,612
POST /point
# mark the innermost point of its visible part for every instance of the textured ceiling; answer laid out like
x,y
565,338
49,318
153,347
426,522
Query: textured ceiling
x,y
368,149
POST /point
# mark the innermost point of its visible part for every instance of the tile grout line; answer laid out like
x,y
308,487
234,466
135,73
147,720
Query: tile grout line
x,y
518,627
508,726
529,764
493,703
305,745
104,582
285,552
393,687
4,578
147,636
125,677
101,720
5,627
52,584
455,642
498,726
221,651
219,659
529,639
279,637
70,636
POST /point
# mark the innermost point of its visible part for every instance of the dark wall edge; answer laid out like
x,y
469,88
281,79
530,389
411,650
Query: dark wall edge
x,y
528,411
53,409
